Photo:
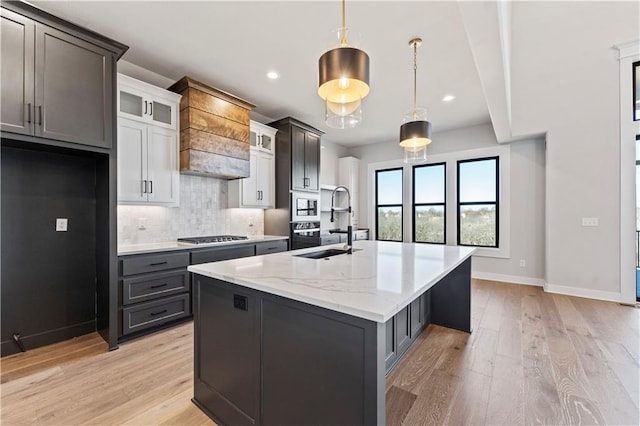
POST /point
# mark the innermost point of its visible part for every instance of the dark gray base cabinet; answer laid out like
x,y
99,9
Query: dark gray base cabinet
x,y
403,329
264,359
155,289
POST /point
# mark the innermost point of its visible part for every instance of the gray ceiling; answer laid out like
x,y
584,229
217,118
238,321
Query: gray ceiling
x,y
232,45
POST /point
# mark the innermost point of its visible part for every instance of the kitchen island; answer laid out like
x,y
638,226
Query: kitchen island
x,y
285,339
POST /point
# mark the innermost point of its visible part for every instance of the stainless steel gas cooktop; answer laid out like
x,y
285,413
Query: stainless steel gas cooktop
x,y
211,239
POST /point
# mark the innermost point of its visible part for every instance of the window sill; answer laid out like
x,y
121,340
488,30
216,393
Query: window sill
x,y
500,253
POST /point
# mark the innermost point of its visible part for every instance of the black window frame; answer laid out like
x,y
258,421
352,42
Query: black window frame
x,y
414,204
401,205
471,203
635,65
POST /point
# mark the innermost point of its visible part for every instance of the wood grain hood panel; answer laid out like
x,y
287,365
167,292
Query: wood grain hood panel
x,y
214,131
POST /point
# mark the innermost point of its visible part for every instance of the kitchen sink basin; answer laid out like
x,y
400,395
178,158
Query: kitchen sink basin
x,y
323,254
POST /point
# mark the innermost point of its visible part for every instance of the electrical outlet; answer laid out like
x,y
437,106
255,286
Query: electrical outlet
x,y
61,224
523,263
590,221
142,223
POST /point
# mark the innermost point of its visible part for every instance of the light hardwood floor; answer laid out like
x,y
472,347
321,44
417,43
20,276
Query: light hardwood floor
x,y
533,358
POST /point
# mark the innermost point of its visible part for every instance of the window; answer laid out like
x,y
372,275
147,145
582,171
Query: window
x,y
389,204
478,202
429,208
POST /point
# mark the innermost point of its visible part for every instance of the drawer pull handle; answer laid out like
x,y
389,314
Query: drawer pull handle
x,y
159,285
158,313
158,263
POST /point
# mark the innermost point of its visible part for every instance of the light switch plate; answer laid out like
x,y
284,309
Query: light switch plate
x,y
590,221
61,224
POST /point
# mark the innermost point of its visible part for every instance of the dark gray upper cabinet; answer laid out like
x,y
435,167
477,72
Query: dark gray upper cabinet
x,y
57,78
74,86
17,57
297,158
312,161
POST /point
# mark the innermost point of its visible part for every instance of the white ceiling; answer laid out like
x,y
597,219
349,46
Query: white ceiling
x,y
231,45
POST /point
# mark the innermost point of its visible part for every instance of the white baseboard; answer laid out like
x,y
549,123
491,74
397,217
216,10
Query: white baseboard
x,y
608,296
513,279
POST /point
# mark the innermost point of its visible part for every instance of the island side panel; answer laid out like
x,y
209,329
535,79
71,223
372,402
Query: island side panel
x,y
320,366
451,299
315,366
227,352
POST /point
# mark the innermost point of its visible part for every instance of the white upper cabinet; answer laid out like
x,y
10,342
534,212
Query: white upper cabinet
x,y
258,190
148,145
262,137
138,100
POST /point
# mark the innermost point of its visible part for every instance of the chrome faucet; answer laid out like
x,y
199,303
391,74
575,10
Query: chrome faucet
x,y
349,246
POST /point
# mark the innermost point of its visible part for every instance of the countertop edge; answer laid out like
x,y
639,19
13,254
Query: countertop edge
x,y
133,249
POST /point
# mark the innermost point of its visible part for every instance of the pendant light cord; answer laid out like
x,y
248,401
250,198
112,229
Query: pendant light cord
x,y
415,84
343,40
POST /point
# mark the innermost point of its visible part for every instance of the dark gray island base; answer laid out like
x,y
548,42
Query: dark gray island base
x,y
262,359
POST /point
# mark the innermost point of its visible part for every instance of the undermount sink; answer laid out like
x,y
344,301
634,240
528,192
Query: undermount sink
x,y
323,254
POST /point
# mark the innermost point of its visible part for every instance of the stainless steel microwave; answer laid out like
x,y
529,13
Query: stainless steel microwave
x,y
305,207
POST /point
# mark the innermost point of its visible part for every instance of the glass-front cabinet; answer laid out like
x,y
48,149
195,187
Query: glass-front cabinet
x,y
262,137
137,104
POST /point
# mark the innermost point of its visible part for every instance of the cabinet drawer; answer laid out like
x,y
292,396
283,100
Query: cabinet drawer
x,y
152,286
218,254
157,262
271,247
145,315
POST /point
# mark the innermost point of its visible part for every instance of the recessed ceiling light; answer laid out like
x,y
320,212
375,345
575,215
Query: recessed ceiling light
x,y
448,98
272,75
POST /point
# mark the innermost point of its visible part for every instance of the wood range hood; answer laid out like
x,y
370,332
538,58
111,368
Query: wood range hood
x,y
214,131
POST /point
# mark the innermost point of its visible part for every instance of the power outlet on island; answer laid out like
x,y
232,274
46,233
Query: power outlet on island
x,y
523,263
142,223
61,224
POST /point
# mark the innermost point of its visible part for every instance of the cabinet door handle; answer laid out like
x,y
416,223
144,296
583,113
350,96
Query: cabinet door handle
x,y
159,285
159,263
40,114
145,108
150,187
158,313
144,186
150,107
29,113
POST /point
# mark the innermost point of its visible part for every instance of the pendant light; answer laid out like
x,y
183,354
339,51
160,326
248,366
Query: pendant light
x,y
415,132
343,81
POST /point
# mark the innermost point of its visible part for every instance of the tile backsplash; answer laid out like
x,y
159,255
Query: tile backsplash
x,y
203,211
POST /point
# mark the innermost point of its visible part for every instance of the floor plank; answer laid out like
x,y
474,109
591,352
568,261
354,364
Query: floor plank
x,y
399,402
533,358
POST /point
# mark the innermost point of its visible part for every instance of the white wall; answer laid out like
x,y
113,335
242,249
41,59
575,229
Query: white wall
x,y
565,81
526,195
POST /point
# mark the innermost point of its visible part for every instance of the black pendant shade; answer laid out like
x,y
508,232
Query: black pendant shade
x,y
414,130
339,64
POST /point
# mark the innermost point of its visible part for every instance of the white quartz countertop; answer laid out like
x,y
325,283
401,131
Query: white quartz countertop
x,y
373,283
174,245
